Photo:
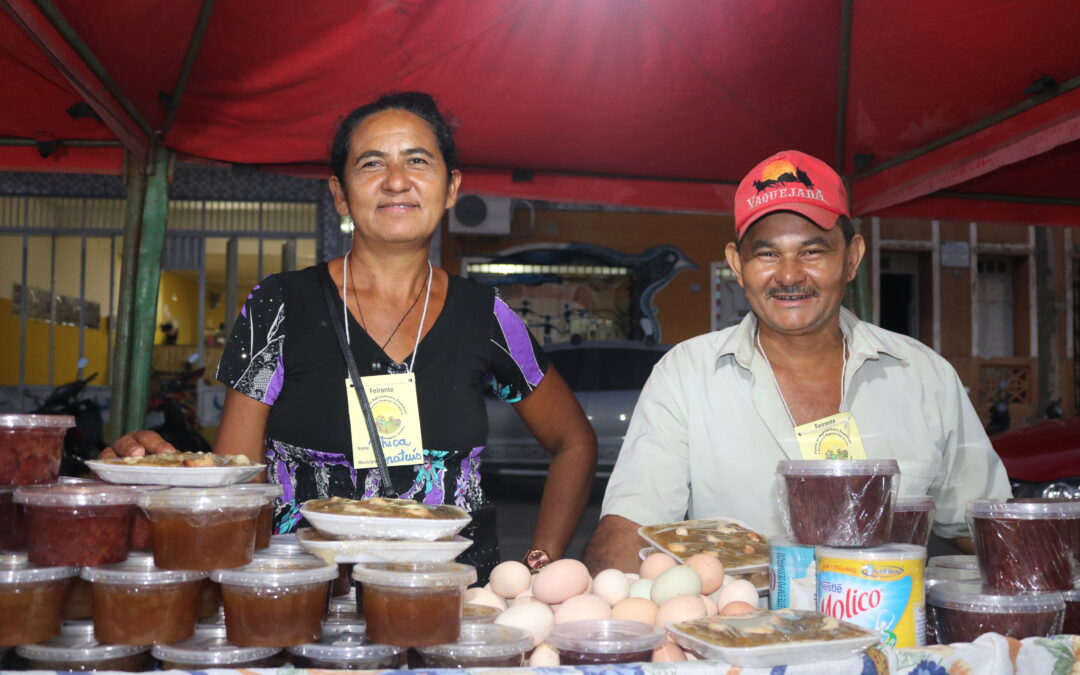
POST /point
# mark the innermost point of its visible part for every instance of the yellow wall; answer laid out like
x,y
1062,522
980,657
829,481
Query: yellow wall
x,y
178,302
37,347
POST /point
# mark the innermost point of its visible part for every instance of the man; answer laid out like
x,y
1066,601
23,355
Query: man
x,y
799,377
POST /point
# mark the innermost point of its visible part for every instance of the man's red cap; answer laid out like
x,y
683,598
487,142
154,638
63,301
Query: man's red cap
x,y
790,181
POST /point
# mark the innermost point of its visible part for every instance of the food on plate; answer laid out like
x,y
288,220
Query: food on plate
x,y
183,459
733,544
763,627
381,507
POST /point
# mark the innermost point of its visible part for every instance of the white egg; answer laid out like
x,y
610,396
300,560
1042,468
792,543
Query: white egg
x,y
642,588
523,597
510,578
740,589
681,580
484,596
544,656
612,585
534,617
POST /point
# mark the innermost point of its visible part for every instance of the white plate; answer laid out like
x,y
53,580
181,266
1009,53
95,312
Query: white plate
x,y
336,551
174,476
351,526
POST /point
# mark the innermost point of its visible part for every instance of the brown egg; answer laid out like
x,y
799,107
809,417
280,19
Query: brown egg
x,y
560,580
635,609
737,608
582,607
667,652
654,565
709,568
680,608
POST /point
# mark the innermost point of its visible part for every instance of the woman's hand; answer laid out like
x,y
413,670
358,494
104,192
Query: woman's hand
x,y
138,444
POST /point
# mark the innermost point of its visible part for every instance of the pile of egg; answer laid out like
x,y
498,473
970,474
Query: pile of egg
x,y
662,592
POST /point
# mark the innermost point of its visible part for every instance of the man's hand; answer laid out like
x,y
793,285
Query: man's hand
x,y
615,544
138,444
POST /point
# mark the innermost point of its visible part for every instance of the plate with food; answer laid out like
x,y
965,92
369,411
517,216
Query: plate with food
x,y
740,548
337,551
382,518
177,469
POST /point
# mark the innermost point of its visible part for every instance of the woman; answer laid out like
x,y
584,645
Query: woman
x,y
394,176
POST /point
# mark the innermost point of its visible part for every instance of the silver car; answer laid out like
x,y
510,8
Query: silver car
x,y
606,378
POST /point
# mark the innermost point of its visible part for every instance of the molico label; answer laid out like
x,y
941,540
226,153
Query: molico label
x,y
882,595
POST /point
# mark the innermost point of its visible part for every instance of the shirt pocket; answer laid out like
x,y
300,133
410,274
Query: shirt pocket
x,y
917,476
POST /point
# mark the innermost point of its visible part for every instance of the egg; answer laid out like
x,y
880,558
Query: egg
x,y
709,568
635,609
533,617
483,596
737,608
544,656
633,576
710,605
523,597
654,565
510,578
738,590
667,652
581,608
612,585
642,588
560,580
681,580
680,608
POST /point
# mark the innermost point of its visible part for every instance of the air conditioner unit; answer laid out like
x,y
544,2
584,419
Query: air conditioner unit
x,y
477,214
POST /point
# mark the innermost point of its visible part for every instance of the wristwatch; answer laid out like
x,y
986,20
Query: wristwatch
x,y
535,559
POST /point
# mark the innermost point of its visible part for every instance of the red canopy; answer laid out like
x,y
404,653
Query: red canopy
x,y
649,103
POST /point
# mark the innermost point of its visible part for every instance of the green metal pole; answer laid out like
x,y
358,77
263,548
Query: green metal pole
x,y
136,193
147,280
863,303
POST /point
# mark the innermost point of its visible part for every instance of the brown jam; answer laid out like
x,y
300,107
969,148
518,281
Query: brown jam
x,y
145,614
1027,554
31,612
12,524
412,617
259,616
30,455
141,537
840,510
1072,616
209,598
910,527
80,602
135,663
575,658
444,661
264,526
957,625
78,535
206,540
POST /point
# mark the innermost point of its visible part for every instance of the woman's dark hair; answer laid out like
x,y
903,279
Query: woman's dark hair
x,y
418,103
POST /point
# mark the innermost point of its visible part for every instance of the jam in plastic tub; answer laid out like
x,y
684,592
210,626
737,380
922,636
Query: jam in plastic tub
x,y
202,529
601,641
31,599
346,649
413,605
80,524
208,648
833,502
141,537
75,649
275,602
31,447
1027,546
264,525
912,519
480,645
1072,613
138,603
961,611
12,522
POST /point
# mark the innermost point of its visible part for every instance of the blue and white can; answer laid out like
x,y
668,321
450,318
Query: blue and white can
x,y
792,575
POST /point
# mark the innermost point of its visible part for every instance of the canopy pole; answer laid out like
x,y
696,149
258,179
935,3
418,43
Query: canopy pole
x,y
12,141
189,62
844,70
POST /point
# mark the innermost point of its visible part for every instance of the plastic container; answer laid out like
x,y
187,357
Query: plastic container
x,y
601,641
80,524
480,645
264,526
343,607
31,599
418,605
959,562
80,601
1029,546
936,575
479,614
913,518
838,502
208,648
283,545
12,522
141,535
1071,625
75,649
202,528
137,603
31,447
961,611
346,649
275,602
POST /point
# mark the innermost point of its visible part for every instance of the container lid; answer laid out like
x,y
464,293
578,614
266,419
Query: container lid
x,y
606,636
269,490
277,572
935,575
474,613
787,542
201,499
1071,596
138,569
344,606
208,646
972,596
212,621
75,480
347,645
837,467
482,641
36,421
15,568
914,503
77,494
282,546
337,625
964,562
886,552
76,643
415,575
1043,510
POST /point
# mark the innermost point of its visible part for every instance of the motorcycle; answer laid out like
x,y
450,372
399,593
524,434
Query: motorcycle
x,y
176,403
86,439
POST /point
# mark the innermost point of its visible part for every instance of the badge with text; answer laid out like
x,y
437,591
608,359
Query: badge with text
x,y
833,437
397,417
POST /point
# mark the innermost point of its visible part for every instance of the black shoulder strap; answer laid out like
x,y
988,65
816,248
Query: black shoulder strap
x,y
330,294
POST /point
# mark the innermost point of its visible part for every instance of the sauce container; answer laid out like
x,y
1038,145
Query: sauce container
x,y
31,447
137,603
1027,546
1072,613
31,599
961,611
208,648
12,522
80,602
913,517
413,605
264,525
77,524
75,649
275,602
834,502
141,535
601,641
283,545
480,645
479,614
346,648
343,606
202,528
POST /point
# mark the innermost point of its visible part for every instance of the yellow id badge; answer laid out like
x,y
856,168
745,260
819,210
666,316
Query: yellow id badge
x,y
833,437
397,417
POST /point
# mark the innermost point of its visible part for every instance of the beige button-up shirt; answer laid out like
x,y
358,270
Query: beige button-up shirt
x,y
710,426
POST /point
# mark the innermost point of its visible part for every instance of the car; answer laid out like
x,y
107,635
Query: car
x,y
605,376
1042,460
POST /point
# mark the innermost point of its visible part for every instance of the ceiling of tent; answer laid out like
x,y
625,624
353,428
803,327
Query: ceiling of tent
x,y
652,103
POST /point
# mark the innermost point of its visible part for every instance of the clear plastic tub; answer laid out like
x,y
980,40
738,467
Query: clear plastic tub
x,y
1028,546
264,526
283,545
347,649
1071,625
417,605
208,648
80,524
936,575
343,606
275,602
960,562
838,502
480,645
602,641
12,522
137,603
141,535
479,614
961,611
31,447
202,528
75,649
31,599
913,517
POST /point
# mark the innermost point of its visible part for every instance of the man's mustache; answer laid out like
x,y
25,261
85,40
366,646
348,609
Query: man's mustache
x,y
790,290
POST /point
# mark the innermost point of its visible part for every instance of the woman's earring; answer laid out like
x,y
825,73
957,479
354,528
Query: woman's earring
x,y
347,224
